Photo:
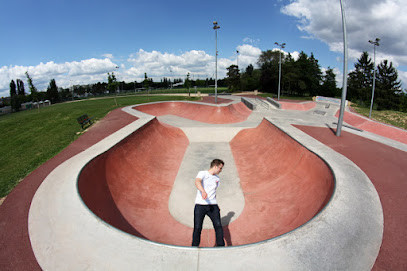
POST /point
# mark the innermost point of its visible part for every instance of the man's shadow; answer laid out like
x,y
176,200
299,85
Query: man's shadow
x,y
226,232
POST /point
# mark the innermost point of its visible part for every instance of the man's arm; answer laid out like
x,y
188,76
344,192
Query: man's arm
x,y
198,184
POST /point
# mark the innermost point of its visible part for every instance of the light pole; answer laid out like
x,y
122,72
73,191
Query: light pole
x,y
375,43
117,67
216,27
345,72
171,78
118,85
282,46
237,59
70,80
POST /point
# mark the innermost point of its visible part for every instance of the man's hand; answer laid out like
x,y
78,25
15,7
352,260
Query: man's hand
x,y
204,195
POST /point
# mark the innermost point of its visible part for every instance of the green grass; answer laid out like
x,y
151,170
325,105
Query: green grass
x,y
184,90
395,118
30,138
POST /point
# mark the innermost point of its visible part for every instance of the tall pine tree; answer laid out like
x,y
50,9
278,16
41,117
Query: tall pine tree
x,y
387,87
34,92
52,92
360,80
14,99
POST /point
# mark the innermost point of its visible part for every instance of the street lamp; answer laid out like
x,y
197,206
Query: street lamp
x,y
237,59
345,72
118,85
70,80
171,78
375,43
216,27
282,46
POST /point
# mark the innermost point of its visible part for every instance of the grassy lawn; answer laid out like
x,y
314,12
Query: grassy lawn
x,y
30,138
395,118
184,90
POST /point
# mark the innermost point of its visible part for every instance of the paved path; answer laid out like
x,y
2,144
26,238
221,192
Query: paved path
x,y
386,168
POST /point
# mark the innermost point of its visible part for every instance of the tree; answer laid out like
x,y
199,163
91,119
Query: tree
x,y
233,78
20,87
12,89
387,87
14,99
314,75
309,74
360,80
329,88
147,83
99,88
268,62
112,83
250,79
52,92
290,80
34,91
269,56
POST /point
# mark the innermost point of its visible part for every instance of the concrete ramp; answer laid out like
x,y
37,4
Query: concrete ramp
x,y
284,184
145,184
232,113
129,185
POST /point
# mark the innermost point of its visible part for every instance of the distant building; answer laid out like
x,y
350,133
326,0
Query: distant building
x,y
5,110
25,106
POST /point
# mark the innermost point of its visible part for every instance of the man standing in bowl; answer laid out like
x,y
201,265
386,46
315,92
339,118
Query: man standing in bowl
x,y
205,202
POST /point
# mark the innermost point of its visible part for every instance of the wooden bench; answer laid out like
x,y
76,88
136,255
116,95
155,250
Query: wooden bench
x,y
84,120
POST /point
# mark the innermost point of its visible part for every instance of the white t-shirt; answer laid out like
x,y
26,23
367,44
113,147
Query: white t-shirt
x,y
210,183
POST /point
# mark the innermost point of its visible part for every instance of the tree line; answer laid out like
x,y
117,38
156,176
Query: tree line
x,y
300,77
304,77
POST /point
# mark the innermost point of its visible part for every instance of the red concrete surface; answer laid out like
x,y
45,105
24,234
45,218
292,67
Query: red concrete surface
x,y
284,184
205,113
378,128
16,253
301,106
211,100
386,168
136,177
288,104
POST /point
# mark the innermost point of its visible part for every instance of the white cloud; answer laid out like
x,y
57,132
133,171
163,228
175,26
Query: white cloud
x,y
156,64
403,76
196,62
65,74
110,56
251,41
366,20
248,54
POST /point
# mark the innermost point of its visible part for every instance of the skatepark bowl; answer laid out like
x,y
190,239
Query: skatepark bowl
x,y
128,186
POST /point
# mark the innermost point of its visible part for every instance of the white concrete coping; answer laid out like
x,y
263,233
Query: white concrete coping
x,y
345,235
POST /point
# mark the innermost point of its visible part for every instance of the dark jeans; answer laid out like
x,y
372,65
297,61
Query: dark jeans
x,y
214,214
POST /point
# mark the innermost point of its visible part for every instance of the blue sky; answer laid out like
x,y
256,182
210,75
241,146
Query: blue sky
x,y
78,42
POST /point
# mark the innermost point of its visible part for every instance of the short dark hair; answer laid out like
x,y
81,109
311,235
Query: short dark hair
x,y
217,162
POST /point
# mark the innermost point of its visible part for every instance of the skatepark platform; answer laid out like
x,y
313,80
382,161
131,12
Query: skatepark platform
x,y
287,200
